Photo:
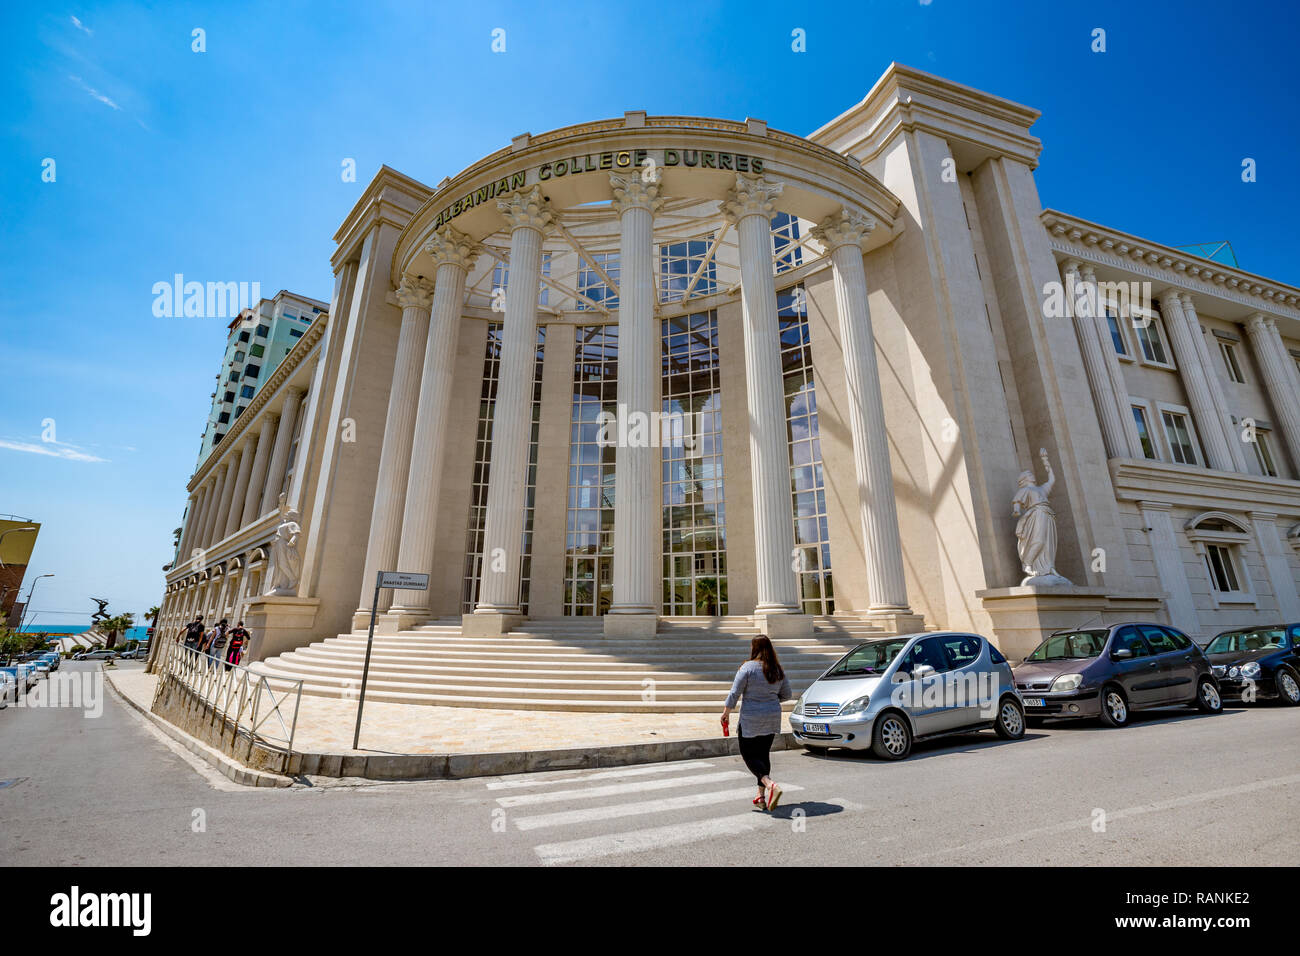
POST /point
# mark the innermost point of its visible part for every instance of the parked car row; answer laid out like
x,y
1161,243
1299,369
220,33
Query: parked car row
x,y
885,694
139,652
19,678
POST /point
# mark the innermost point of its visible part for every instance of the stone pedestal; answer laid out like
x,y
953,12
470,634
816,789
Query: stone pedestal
x,y
393,621
631,625
784,625
278,625
1023,616
896,622
490,624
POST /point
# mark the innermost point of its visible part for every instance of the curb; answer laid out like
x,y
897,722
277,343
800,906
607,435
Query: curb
x,y
462,765
224,765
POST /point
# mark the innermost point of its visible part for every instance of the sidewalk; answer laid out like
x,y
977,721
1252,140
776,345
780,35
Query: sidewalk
x,y
485,741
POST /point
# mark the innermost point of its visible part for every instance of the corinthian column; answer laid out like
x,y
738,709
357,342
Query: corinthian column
x,y
191,522
280,451
843,236
454,254
1209,422
636,466
528,216
414,295
245,467
1277,367
216,517
749,207
1218,397
1101,364
257,477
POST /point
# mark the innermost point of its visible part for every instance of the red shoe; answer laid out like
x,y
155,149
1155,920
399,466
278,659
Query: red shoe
x,y
773,796
760,802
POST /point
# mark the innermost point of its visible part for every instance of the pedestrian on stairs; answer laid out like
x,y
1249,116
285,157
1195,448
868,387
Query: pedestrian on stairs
x,y
760,687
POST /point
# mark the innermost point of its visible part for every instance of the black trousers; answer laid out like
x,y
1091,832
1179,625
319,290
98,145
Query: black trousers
x,y
756,752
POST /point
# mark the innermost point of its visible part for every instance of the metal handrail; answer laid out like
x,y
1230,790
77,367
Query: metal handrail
x,y
234,694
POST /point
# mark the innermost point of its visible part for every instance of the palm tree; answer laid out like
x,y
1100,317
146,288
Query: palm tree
x,y
115,625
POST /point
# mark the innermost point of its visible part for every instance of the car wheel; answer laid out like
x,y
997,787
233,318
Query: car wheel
x,y
1114,707
1288,686
891,739
1010,724
1207,697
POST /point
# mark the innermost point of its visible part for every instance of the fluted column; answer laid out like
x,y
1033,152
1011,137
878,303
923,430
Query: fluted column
x,y
214,519
637,524
192,515
1218,395
1101,364
453,254
199,540
843,235
749,207
1277,367
257,477
528,216
415,296
280,451
1209,423
245,468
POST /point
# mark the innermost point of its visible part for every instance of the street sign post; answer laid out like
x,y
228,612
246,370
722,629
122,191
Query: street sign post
x,y
402,580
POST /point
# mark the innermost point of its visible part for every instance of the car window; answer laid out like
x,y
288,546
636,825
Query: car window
x,y
870,658
959,649
1181,640
996,655
1128,638
929,651
1157,639
1069,645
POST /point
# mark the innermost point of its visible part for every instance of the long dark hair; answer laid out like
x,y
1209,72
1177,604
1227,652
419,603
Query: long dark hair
x,y
761,650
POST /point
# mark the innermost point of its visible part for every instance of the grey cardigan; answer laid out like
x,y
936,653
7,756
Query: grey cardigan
x,y
760,713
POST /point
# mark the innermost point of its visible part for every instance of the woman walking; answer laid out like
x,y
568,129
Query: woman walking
x,y
760,685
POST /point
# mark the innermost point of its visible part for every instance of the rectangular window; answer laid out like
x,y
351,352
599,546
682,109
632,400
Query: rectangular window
x,y
252,371
785,242
1116,333
257,351
234,377
1150,339
223,418
1144,433
229,397
243,336
1222,568
1179,436
239,356
593,286
262,331
247,391
240,410
295,333
1264,453
1229,353
686,268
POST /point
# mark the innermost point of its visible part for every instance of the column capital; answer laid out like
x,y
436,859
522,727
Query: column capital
x,y
451,247
1072,265
633,192
1261,323
751,196
414,292
1186,299
844,228
1170,296
527,210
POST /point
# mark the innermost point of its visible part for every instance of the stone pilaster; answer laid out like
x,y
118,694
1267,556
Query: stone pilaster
x,y
749,206
280,451
220,499
414,295
637,521
1100,363
1218,396
843,235
257,477
528,216
1209,423
1276,365
244,469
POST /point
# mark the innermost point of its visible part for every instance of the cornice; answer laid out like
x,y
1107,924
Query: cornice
x,y
1202,489
291,362
1101,245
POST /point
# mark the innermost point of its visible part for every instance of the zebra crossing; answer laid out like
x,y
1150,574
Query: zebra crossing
x,y
633,801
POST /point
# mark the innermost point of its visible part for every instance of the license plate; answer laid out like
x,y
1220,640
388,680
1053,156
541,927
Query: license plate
x,y
1035,702
816,728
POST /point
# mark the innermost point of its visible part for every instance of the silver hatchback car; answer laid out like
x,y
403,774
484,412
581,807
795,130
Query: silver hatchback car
x,y
887,693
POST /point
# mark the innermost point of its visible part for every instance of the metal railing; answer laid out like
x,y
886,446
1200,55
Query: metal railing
x,y
237,697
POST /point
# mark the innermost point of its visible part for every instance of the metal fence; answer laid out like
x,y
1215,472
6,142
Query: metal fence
x,y
239,697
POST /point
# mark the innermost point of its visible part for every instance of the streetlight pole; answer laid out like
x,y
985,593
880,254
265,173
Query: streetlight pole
x,y
27,606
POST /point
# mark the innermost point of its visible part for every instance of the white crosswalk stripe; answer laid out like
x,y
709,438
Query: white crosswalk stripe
x,y
585,800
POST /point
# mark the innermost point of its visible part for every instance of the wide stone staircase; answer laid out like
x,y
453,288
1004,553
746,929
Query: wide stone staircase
x,y
560,664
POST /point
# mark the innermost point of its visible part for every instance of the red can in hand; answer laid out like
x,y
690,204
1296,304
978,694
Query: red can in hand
x,y
726,725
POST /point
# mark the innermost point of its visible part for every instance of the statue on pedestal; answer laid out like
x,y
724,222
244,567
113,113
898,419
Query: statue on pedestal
x,y
1036,529
286,561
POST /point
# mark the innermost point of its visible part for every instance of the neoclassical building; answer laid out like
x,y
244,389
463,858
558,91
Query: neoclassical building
x,y
659,368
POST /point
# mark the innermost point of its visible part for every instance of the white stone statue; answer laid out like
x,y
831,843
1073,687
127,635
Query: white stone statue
x,y
1036,529
286,562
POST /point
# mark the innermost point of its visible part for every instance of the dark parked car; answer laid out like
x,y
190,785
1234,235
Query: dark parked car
x,y
1258,663
1109,672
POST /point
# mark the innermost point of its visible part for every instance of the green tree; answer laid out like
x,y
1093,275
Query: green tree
x,y
113,626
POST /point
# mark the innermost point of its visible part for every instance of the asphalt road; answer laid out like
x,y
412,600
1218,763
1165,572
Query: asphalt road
x,y
1174,788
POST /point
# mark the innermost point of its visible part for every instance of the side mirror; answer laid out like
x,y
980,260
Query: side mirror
x,y
922,670
1122,654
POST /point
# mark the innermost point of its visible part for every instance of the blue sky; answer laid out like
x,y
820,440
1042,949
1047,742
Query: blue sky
x,y
225,166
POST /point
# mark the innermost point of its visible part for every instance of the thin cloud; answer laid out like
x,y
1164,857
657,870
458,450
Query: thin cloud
x,y
51,449
95,94
81,26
